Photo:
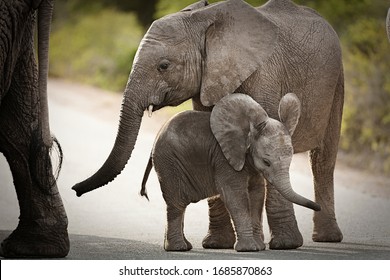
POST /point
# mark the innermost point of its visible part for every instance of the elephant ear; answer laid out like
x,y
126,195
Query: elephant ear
x,y
238,41
195,6
290,111
231,121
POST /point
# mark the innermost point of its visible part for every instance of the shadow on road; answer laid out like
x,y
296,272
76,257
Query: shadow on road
x,y
85,247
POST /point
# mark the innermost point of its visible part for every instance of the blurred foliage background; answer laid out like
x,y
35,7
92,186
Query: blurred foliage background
x,y
94,42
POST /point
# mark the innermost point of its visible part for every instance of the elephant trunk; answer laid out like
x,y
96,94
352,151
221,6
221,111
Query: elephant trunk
x,y
283,186
129,125
45,11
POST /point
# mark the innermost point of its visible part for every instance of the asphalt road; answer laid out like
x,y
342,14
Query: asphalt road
x,y
114,222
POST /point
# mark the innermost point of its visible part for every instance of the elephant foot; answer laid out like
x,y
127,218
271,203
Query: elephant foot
x,y
221,239
40,243
247,245
327,232
286,236
182,245
259,241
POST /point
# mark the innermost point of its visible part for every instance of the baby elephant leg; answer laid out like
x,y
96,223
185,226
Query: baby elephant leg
x,y
238,206
256,191
174,235
233,190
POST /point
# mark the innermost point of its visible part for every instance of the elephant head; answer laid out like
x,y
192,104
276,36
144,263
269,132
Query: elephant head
x,y
246,133
187,55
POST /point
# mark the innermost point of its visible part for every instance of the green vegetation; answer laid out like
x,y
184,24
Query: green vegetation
x,y
96,48
366,122
94,42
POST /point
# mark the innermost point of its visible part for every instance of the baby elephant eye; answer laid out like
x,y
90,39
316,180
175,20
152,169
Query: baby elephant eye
x,y
266,162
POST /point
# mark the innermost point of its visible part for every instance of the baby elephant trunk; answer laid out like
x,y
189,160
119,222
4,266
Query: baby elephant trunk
x,y
285,189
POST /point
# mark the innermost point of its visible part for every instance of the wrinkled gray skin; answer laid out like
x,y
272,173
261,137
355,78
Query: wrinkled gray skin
x,y
198,155
25,138
208,51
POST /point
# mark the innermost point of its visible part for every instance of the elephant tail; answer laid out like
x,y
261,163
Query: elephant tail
x,y
41,164
146,176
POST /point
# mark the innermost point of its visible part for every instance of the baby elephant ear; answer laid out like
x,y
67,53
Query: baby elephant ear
x,y
290,111
230,123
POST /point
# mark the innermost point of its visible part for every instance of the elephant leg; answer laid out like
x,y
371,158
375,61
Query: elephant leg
x,y
281,220
323,162
171,183
233,189
256,189
221,233
42,227
325,228
237,203
174,233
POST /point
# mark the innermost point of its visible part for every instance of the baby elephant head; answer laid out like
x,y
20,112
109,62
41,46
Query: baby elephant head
x,y
242,127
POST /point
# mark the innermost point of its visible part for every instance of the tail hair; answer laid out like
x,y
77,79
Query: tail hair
x,y
41,165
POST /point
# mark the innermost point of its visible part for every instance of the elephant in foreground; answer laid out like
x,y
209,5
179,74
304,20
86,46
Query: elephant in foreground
x,y
206,52
25,138
198,155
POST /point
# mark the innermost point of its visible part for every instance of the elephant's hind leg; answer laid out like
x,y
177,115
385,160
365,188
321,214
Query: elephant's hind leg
x,y
42,228
323,162
325,228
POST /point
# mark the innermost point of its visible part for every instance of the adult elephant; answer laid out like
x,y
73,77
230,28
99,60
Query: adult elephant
x,y
25,138
207,51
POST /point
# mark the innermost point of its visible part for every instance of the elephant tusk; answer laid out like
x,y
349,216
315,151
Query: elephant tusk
x,y
150,111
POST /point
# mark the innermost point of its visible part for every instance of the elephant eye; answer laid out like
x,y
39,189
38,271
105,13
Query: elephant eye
x,y
266,162
164,65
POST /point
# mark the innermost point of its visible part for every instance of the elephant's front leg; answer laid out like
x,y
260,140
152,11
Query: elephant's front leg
x,y
237,203
256,191
233,189
281,220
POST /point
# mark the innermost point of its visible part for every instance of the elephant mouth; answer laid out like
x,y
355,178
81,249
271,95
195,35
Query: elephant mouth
x,y
168,100
158,101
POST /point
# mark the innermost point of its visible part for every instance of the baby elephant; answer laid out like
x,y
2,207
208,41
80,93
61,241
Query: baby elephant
x,y
201,154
